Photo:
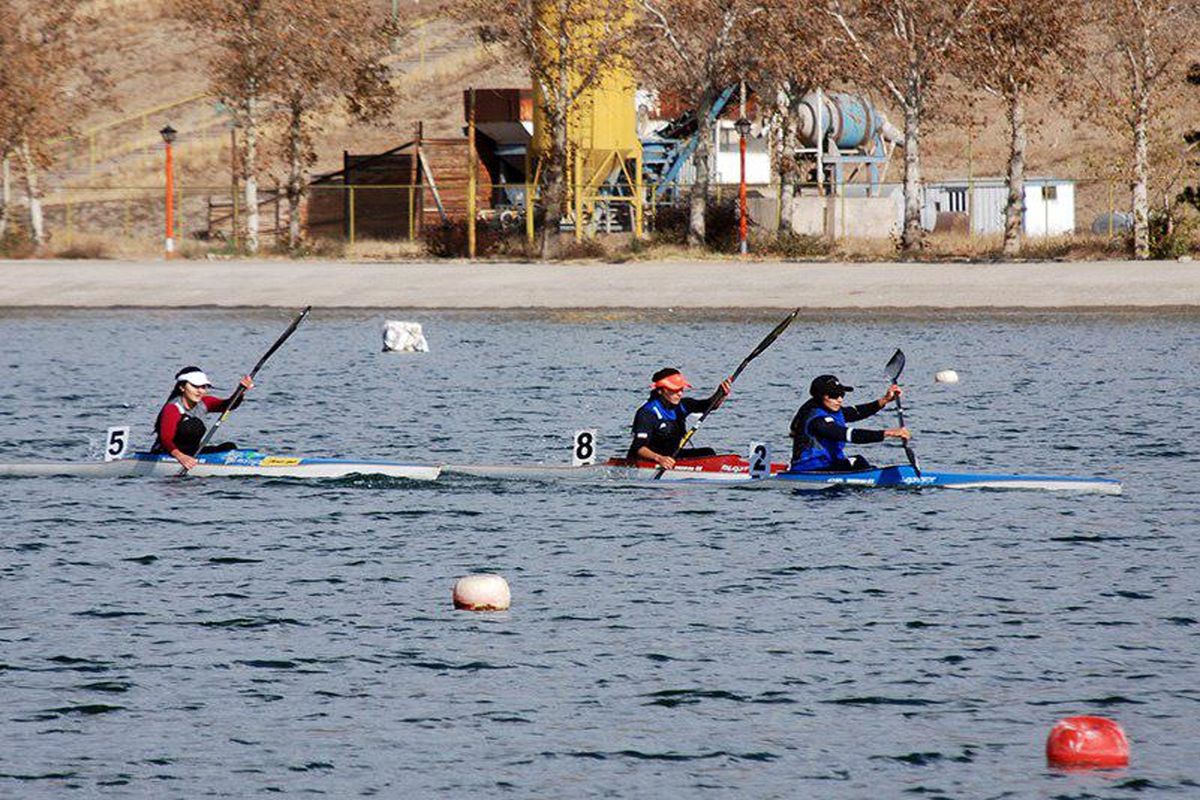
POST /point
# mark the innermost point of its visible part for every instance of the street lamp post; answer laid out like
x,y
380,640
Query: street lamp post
x,y
743,129
168,135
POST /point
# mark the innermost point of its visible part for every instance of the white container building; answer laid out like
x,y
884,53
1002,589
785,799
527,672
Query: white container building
x,y
1049,204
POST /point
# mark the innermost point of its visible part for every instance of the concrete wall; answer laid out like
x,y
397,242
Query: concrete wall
x,y
839,217
863,217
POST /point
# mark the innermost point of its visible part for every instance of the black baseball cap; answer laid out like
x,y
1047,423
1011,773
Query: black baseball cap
x,y
827,386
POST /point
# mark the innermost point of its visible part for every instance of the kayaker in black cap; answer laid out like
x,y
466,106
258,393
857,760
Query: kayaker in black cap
x,y
822,427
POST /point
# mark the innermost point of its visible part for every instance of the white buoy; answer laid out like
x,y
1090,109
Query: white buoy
x,y
946,376
482,593
404,337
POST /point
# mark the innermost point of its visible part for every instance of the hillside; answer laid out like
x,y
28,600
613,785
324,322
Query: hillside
x,y
158,69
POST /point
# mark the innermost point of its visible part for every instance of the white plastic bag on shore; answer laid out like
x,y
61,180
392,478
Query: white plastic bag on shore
x,y
404,337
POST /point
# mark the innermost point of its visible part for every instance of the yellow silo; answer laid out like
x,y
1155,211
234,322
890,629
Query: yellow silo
x,y
602,138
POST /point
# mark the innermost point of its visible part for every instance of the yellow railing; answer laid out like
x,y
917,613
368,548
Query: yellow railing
x,y
89,137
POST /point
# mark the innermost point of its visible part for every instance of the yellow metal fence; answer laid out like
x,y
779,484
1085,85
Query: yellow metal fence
x,y
217,214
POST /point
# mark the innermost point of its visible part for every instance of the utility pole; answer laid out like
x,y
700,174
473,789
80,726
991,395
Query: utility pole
x,y
168,135
471,169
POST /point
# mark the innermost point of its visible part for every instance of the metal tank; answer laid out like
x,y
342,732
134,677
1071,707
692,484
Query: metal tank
x,y
602,127
850,121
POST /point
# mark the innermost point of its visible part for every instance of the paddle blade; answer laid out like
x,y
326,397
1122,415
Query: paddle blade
x,y
895,366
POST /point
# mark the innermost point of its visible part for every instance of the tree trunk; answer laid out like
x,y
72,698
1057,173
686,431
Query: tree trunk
x,y
295,184
33,194
912,236
786,158
250,172
555,192
698,196
1141,178
1014,211
5,194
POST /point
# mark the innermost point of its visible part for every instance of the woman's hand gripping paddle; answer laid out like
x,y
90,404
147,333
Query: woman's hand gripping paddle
x,y
241,390
755,353
893,370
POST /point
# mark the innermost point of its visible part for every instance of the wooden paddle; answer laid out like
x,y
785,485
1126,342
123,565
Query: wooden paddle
x,y
755,353
893,369
241,390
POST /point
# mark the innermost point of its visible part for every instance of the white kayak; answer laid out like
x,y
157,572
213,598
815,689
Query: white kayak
x,y
232,463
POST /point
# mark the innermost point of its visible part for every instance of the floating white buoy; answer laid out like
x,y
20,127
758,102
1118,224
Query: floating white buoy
x,y
946,376
404,337
482,593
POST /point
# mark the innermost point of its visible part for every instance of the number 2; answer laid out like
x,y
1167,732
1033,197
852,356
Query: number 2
x,y
760,460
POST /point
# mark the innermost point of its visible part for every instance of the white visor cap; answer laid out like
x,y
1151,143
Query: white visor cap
x,y
195,378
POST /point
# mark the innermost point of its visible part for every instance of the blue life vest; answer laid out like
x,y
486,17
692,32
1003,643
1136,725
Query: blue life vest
x,y
659,426
821,453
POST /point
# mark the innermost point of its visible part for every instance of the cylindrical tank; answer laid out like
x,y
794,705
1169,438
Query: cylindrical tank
x,y
603,120
849,120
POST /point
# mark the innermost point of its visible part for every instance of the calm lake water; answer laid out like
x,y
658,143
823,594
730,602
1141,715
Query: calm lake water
x,y
205,638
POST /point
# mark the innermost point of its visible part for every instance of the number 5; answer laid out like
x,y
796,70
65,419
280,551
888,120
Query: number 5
x,y
116,443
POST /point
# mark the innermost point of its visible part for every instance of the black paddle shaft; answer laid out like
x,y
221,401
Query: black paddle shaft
x,y
241,390
893,369
767,341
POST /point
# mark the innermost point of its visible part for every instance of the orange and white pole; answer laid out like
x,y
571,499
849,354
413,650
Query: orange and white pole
x,y
168,134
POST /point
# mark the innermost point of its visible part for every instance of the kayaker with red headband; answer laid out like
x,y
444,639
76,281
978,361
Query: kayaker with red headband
x,y
661,422
821,428
179,428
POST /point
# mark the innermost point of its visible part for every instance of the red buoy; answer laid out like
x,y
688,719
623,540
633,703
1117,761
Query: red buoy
x,y
1087,742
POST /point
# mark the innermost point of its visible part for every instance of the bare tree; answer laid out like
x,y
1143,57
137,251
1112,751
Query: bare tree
x,y
572,46
1191,140
793,59
333,51
1011,49
45,83
699,48
245,66
1148,40
905,47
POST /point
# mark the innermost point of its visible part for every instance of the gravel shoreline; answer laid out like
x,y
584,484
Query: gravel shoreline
x,y
906,289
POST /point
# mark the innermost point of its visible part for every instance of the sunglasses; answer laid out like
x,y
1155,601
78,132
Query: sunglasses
x,y
836,395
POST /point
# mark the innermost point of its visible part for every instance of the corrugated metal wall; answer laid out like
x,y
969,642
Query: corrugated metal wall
x,y
1049,205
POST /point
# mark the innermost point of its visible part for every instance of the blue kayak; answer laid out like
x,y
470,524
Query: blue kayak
x,y
903,476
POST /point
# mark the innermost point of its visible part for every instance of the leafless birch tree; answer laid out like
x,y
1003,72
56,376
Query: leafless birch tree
x,y
245,66
905,48
333,50
1148,40
793,59
1012,48
45,84
698,49
571,47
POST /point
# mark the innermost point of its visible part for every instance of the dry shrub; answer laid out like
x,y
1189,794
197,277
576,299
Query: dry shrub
x,y
384,250
790,246
15,244
720,224
864,249
570,249
449,240
85,247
